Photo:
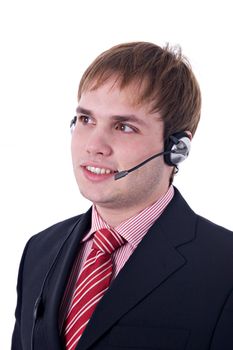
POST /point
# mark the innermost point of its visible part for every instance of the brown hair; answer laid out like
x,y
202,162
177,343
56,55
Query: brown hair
x,y
168,81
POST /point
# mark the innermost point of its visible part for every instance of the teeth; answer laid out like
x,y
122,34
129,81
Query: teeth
x,y
98,171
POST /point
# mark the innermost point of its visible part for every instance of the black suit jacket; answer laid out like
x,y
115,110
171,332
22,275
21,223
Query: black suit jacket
x,y
175,292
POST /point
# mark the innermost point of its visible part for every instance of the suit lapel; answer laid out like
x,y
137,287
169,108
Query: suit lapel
x,y
154,260
56,285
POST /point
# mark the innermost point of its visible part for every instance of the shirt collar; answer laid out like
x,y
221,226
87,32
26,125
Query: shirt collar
x,y
134,228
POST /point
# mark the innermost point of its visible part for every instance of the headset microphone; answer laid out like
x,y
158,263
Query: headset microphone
x,y
176,150
123,173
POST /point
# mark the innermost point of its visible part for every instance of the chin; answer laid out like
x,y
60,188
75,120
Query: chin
x,y
93,197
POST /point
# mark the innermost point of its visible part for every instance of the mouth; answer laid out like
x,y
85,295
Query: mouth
x,y
99,171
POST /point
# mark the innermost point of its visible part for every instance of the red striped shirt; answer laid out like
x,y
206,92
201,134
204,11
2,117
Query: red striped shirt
x,y
132,230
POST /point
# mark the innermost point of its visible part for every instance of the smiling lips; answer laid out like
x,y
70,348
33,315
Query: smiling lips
x,y
99,171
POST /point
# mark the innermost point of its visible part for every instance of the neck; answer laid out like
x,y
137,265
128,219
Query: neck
x,y
114,216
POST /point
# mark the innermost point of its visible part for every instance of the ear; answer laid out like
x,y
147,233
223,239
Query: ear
x,y
189,134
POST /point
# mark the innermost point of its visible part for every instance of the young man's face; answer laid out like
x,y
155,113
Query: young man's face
x,y
113,134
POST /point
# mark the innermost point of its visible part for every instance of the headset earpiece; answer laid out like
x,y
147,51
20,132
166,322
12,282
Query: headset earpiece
x,y
179,145
73,123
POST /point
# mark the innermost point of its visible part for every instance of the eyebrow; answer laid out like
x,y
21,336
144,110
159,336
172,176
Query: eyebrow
x,y
120,118
80,109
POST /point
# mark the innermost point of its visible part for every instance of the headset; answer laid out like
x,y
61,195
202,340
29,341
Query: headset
x,y
176,150
73,123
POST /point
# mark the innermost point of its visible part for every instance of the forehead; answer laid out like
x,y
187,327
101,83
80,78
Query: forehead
x,y
113,95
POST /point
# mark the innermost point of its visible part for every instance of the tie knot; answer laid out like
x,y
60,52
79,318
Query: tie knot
x,y
107,240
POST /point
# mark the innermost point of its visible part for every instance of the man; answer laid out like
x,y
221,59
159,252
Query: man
x,y
139,270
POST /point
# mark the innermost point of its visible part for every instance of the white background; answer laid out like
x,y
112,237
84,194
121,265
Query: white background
x,y
45,46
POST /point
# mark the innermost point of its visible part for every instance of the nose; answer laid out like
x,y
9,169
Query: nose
x,y
98,143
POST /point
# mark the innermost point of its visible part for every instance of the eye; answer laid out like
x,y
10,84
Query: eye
x,y
125,128
84,119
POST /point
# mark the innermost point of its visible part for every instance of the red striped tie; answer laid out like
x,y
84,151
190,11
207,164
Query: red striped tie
x,y
91,285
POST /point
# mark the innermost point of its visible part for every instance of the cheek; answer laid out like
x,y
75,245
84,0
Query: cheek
x,y
129,149
73,147
76,143
135,153
75,155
